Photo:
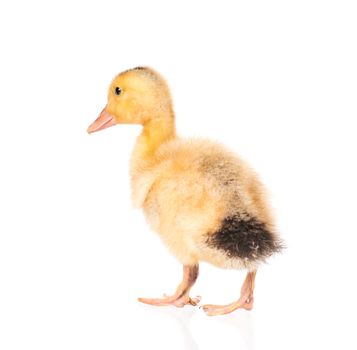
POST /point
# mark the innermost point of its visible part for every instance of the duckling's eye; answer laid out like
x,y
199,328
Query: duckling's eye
x,y
117,91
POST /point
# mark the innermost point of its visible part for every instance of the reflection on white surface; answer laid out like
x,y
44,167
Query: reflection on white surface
x,y
182,318
195,330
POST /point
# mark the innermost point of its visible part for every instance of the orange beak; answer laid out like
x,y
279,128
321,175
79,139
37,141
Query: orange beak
x,y
105,120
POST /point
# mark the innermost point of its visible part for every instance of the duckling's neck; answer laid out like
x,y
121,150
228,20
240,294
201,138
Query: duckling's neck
x,y
155,132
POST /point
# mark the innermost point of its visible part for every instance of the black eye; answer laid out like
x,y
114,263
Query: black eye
x,y
117,91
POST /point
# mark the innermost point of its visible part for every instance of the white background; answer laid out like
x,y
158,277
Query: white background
x,y
274,80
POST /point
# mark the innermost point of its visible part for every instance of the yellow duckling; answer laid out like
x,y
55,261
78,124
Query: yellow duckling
x,y
204,202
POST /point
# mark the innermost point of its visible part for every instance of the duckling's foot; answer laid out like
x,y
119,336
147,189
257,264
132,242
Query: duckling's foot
x,y
245,301
181,296
173,300
215,310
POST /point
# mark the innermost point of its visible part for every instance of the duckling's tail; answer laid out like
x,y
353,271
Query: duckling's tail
x,y
245,238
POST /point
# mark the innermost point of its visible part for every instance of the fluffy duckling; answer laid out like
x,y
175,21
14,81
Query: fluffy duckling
x,y
204,202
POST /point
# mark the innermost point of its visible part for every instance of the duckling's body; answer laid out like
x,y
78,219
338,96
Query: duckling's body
x,y
204,202
189,190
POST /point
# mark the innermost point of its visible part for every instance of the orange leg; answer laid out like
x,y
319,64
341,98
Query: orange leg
x,y
181,296
244,302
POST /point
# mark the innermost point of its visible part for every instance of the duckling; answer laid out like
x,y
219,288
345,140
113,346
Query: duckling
x,y
205,203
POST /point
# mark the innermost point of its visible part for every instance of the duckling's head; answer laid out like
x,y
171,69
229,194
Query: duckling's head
x,y
136,96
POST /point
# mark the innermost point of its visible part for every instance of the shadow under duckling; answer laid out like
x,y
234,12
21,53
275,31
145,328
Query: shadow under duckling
x,y
204,202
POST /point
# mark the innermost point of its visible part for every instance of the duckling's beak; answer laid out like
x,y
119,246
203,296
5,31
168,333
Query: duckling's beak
x,y
105,120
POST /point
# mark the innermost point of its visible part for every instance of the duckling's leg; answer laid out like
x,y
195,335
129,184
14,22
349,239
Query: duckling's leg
x,y
244,302
181,296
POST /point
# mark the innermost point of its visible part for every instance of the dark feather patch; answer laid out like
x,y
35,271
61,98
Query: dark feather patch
x,y
244,238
